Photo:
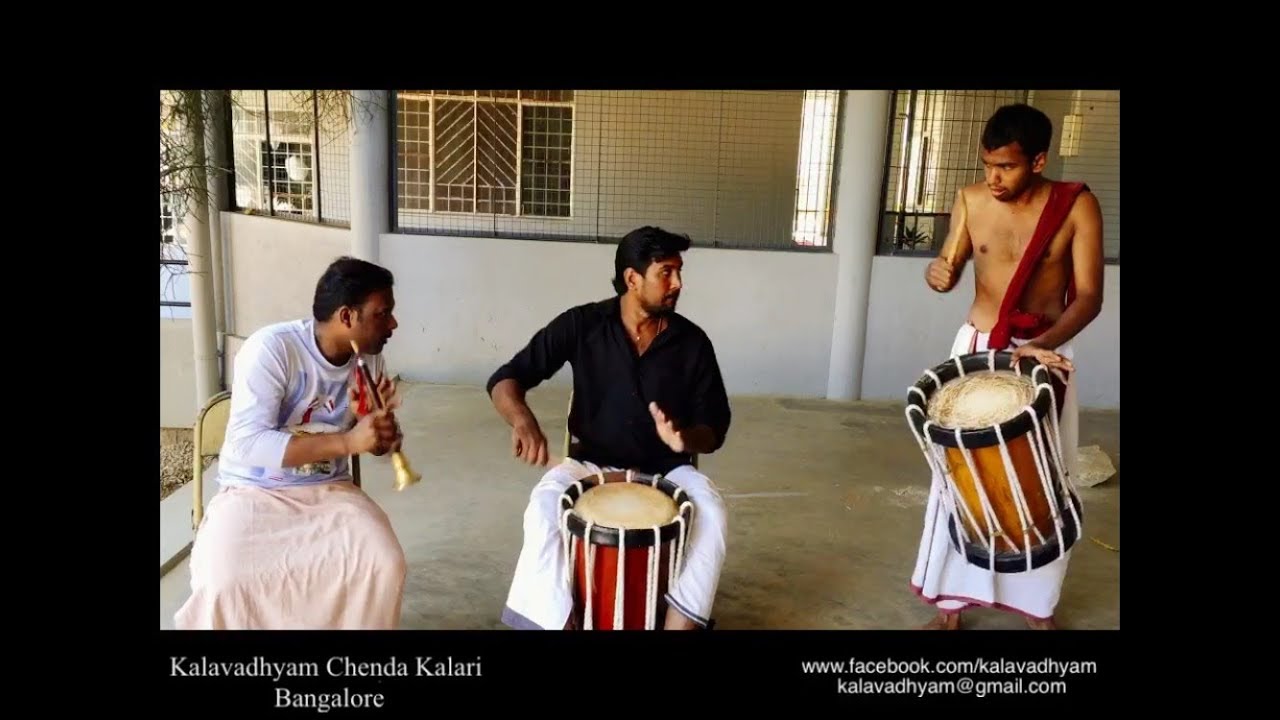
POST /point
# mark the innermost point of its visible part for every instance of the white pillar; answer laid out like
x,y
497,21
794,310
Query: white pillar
x,y
195,228
859,176
370,171
219,200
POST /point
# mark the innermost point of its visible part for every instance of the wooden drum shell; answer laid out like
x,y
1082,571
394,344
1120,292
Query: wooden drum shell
x,y
670,543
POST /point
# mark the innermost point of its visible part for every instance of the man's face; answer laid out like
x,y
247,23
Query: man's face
x,y
1009,172
373,325
659,288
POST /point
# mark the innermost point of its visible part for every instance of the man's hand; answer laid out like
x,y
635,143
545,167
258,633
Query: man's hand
x,y
528,443
376,434
667,429
388,390
941,275
1045,357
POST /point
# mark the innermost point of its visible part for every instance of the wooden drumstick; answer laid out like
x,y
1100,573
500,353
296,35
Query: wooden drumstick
x,y
962,217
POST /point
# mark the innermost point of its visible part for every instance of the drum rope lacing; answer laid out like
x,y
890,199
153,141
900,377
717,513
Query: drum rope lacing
x,y
949,496
952,498
1069,484
619,584
652,564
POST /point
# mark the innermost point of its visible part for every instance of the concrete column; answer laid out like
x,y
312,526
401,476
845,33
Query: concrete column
x,y
219,200
195,229
859,176
370,171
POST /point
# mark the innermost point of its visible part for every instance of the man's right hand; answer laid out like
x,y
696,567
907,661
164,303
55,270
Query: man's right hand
x,y
376,434
528,442
941,275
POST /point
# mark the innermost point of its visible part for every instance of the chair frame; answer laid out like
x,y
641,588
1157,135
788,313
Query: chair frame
x,y
199,453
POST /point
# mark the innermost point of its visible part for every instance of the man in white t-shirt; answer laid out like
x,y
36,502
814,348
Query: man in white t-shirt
x,y
289,542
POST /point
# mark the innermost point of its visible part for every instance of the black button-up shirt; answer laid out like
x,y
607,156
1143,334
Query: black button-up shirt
x,y
613,385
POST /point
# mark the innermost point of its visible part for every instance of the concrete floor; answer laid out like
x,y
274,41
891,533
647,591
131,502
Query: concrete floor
x,y
825,508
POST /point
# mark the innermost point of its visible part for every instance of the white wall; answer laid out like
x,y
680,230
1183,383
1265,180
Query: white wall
x,y
465,305
274,267
177,374
911,328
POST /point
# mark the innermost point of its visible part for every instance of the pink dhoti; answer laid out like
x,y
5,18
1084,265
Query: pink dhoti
x,y
311,557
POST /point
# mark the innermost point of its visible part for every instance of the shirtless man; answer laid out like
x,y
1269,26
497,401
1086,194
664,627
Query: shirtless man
x,y
1035,291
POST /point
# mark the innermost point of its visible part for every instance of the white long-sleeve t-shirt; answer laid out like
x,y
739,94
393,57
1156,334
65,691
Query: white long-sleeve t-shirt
x,y
282,386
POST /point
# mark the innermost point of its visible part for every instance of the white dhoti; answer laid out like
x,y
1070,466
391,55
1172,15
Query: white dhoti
x,y
945,578
540,597
312,557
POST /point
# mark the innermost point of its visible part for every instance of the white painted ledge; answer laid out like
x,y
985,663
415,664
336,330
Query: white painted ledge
x,y
175,520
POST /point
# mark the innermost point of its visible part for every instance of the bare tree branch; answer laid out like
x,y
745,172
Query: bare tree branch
x,y
180,173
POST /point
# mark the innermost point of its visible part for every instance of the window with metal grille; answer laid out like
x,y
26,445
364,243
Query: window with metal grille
x,y
290,150
175,291
287,177
815,168
729,168
484,152
167,230
934,149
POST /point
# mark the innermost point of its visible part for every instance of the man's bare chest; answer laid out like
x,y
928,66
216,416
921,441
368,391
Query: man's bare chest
x,y
1001,240
1005,243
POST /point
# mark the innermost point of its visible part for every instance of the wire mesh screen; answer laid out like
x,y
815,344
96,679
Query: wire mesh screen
x,y
177,156
816,167
731,169
291,153
333,121
935,149
933,152
1087,140
466,158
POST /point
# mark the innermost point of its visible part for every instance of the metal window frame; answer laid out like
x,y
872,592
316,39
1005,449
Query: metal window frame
x,y
393,147
902,215
393,206
265,136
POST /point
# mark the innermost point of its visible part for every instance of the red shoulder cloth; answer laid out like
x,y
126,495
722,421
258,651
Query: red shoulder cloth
x,y
1012,321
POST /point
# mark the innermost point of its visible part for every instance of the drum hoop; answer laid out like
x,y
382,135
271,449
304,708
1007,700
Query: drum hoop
x,y
919,394
1016,561
635,537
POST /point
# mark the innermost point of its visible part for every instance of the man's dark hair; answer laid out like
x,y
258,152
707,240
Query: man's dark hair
x,y
348,281
1020,123
643,247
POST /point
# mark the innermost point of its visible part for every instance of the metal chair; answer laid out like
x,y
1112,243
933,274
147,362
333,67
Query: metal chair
x,y
210,433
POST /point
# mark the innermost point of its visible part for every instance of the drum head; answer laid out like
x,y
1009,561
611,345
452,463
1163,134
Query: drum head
x,y
630,506
970,389
629,503
981,399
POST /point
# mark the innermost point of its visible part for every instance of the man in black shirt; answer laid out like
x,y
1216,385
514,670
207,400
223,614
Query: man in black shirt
x,y
647,396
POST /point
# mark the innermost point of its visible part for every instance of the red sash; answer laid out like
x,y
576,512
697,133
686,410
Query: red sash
x,y
1012,321
362,408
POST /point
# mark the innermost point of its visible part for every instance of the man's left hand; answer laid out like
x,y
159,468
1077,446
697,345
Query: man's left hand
x,y
667,429
1044,356
387,388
